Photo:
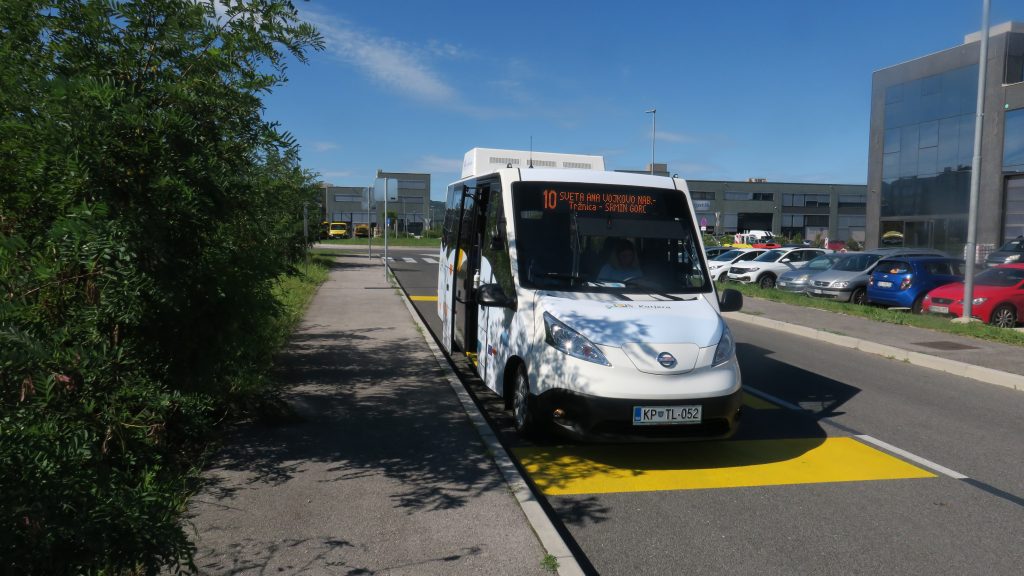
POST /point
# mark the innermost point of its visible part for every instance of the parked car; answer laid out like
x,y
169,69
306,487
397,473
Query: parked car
x,y
998,297
713,251
362,230
904,281
718,267
848,279
1012,251
797,281
766,268
338,230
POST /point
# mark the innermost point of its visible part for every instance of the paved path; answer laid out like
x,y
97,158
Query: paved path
x,y
381,474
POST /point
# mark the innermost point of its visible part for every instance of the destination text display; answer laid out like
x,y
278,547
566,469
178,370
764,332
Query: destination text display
x,y
599,202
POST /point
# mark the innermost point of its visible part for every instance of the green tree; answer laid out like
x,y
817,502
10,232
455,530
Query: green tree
x,y
146,209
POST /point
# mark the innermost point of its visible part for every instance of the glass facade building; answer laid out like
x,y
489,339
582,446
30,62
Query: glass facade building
x,y
922,146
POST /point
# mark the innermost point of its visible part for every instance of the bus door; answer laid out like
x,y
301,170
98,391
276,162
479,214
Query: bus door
x,y
467,268
495,268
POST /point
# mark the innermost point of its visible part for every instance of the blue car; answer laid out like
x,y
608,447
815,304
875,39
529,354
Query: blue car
x,y
904,282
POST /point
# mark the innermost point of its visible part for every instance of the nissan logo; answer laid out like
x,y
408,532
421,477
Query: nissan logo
x,y
667,360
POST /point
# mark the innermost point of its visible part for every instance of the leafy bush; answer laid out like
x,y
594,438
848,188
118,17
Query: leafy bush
x,y
145,212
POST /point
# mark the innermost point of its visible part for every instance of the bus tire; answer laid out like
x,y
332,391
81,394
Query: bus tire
x,y
523,413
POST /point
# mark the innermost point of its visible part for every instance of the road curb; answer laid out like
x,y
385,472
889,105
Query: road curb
x,y
979,373
550,540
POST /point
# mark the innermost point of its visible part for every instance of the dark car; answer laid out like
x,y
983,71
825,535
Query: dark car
x,y
1009,253
904,282
713,251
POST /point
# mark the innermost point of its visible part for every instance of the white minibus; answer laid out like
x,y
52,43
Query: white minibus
x,y
584,299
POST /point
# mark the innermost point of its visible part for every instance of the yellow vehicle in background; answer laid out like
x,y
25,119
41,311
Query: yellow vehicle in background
x,y
338,230
362,230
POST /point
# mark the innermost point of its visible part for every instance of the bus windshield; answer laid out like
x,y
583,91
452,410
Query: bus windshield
x,y
606,238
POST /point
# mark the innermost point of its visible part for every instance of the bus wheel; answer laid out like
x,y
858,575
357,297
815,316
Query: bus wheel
x,y
522,408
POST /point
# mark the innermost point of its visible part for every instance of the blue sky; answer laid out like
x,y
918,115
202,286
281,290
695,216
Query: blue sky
x,y
777,90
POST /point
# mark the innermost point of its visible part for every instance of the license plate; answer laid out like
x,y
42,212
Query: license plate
x,y
817,290
782,284
647,415
939,309
884,284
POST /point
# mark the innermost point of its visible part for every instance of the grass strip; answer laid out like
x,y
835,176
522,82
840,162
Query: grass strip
x,y
879,314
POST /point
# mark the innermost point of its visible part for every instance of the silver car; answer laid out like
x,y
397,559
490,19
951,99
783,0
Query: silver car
x,y
797,280
1012,251
847,280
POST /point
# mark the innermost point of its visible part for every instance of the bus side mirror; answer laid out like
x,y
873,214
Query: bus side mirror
x,y
732,301
491,295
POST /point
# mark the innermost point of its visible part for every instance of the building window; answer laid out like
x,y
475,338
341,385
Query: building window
x,y
1013,141
851,228
755,196
806,200
702,195
412,184
729,221
348,198
852,201
928,139
1014,72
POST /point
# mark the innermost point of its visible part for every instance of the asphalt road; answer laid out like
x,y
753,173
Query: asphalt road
x,y
857,465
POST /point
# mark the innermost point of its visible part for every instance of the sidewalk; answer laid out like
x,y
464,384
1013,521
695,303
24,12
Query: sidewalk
x,y
383,473
989,362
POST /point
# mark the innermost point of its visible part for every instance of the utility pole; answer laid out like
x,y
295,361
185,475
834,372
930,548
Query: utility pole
x,y
654,130
972,215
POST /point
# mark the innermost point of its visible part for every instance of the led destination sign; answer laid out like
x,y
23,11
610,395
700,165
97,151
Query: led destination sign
x,y
599,202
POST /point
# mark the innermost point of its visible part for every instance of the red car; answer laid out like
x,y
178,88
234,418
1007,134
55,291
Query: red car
x,y
998,296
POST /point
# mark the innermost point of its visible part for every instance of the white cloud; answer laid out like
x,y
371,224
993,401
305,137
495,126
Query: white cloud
x,y
440,165
336,174
323,146
387,61
666,136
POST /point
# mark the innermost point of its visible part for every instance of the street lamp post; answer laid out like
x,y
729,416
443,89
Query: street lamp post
x,y
654,130
972,214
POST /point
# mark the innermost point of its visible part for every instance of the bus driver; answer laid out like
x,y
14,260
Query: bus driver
x,y
622,264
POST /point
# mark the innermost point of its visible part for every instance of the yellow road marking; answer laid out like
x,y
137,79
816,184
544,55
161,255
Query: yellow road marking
x,y
423,298
566,470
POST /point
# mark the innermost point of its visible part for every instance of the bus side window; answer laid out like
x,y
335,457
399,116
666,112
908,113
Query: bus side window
x,y
495,248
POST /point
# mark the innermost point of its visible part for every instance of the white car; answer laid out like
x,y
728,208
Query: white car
x,y
767,267
718,267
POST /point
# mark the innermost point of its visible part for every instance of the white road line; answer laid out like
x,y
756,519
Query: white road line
x,y
773,399
410,260
912,457
865,438
430,260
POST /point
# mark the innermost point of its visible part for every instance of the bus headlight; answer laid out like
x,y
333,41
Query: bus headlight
x,y
567,340
726,347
